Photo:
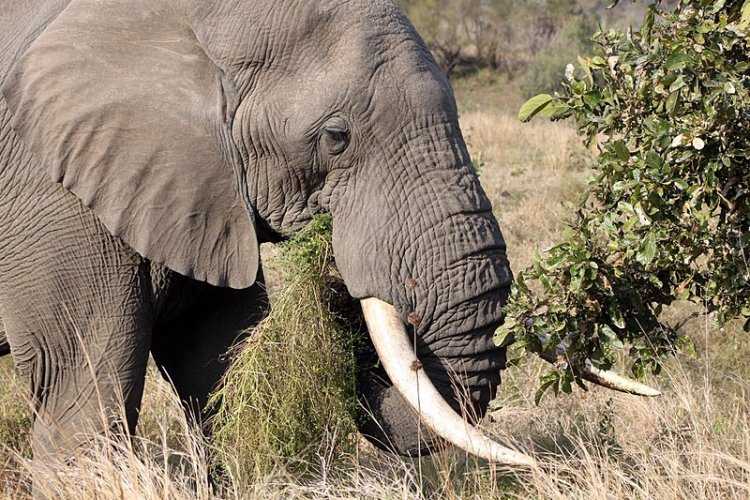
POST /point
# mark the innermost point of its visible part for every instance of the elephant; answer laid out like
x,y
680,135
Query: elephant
x,y
147,149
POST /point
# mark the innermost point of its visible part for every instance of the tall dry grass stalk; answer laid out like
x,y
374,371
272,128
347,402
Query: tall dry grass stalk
x,y
172,463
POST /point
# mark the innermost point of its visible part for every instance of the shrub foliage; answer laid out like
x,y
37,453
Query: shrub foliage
x,y
666,213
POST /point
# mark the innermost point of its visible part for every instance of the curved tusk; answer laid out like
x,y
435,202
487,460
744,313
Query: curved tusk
x,y
611,380
391,342
604,378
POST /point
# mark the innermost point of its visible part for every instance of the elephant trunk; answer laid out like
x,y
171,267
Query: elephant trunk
x,y
416,230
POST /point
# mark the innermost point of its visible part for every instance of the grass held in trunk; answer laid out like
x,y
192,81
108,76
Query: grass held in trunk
x,y
291,387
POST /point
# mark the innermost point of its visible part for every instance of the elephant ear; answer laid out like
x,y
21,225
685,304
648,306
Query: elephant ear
x,y
120,104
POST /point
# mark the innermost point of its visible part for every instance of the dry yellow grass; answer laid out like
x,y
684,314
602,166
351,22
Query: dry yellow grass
x,y
528,171
694,442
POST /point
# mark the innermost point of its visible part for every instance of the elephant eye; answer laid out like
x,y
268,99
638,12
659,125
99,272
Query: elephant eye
x,y
336,137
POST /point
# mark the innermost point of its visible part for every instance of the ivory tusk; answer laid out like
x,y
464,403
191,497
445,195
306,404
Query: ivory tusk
x,y
392,344
611,380
604,378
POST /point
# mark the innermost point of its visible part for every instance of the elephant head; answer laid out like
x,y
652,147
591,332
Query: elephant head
x,y
195,130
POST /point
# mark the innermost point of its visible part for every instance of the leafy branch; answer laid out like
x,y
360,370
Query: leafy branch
x,y
665,216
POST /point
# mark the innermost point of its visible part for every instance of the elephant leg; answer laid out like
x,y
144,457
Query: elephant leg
x,y
86,384
76,308
191,348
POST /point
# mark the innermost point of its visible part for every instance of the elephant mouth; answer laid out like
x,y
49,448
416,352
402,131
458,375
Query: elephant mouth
x,y
397,356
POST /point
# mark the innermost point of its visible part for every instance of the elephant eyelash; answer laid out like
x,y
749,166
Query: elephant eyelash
x,y
338,135
337,140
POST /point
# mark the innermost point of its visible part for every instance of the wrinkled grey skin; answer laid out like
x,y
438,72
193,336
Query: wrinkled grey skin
x,y
148,147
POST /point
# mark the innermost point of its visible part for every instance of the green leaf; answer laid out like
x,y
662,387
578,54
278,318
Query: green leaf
x,y
647,251
608,337
545,282
533,106
555,109
686,346
606,334
592,98
678,84
624,185
578,88
585,63
567,383
716,6
621,151
653,160
648,24
598,61
672,101
548,380
503,335
745,19
616,316
677,61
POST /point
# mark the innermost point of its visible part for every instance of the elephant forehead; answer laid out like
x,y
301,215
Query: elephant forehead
x,y
295,37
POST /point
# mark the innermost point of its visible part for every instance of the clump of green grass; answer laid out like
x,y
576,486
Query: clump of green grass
x,y
289,394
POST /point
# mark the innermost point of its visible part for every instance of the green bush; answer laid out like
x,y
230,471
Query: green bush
x,y
667,212
289,394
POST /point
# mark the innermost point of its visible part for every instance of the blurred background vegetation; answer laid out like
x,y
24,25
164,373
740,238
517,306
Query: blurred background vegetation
x,y
526,43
